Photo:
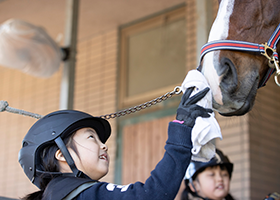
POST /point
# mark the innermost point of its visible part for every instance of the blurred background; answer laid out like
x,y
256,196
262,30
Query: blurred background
x,y
125,53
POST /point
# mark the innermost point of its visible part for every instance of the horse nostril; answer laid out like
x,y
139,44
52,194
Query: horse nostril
x,y
229,80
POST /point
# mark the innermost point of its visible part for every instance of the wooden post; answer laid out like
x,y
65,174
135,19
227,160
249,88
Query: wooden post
x,y
70,41
204,22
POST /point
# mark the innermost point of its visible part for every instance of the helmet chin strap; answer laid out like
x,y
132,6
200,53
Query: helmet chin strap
x,y
68,157
195,191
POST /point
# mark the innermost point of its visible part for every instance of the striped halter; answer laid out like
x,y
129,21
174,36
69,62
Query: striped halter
x,y
267,49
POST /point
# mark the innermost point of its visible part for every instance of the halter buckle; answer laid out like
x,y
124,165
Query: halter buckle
x,y
268,51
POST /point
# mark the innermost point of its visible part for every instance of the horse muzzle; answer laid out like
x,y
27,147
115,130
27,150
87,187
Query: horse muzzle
x,y
235,92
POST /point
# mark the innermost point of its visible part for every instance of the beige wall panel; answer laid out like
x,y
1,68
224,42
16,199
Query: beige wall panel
x,y
95,84
191,16
32,94
95,92
264,141
235,145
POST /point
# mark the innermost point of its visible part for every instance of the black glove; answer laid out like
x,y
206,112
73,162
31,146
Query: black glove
x,y
188,111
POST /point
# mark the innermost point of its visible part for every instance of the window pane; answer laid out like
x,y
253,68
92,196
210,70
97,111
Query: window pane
x,y
156,57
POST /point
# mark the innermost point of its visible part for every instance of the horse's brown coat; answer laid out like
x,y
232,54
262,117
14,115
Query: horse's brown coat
x,y
240,72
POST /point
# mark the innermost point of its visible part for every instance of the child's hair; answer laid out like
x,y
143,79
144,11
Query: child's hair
x,y
46,136
196,167
187,190
49,163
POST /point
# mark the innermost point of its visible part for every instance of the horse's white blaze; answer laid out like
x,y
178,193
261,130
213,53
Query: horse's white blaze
x,y
218,31
212,77
220,26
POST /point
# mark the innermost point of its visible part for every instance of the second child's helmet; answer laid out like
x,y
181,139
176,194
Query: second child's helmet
x,y
196,167
53,128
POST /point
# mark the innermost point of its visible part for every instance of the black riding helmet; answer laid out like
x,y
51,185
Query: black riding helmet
x,y
51,129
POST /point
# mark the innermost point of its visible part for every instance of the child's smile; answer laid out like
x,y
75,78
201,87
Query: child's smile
x,y
104,157
91,157
213,183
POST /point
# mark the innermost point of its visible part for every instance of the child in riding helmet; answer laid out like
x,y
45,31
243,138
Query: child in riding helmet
x,y
64,154
209,180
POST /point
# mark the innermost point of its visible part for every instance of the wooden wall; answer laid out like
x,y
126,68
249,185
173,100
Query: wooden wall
x,y
143,147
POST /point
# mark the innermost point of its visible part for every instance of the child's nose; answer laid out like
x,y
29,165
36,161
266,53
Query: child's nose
x,y
104,147
219,177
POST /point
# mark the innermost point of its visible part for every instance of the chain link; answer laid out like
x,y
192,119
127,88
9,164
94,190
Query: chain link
x,y
177,90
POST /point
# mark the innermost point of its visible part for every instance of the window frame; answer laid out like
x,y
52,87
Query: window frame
x,y
125,31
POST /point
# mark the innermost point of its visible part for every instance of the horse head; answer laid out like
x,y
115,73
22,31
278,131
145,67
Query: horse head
x,y
234,76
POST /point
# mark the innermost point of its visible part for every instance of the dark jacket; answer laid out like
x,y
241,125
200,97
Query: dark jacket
x,y
164,182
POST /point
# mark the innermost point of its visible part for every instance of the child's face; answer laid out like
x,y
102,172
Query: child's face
x,y
212,183
92,158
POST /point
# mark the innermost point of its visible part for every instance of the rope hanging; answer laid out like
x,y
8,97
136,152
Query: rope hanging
x,y
4,106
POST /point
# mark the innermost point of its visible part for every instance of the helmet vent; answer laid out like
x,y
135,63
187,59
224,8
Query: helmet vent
x,y
24,144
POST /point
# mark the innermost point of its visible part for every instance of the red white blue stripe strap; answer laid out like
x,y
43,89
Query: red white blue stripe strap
x,y
272,42
231,45
246,46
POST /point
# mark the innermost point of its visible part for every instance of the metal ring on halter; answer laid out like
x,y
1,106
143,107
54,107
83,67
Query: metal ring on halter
x,y
177,90
277,73
268,51
272,61
276,79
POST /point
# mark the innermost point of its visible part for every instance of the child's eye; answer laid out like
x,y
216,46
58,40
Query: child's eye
x,y
225,174
91,136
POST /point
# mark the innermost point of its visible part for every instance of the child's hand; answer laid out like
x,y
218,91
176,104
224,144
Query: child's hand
x,y
273,196
188,111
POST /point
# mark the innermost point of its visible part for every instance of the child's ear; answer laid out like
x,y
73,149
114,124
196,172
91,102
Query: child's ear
x,y
59,156
194,186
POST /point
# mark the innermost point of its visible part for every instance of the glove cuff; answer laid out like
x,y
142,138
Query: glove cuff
x,y
178,121
179,134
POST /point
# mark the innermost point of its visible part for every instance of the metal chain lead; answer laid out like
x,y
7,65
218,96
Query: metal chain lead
x,y
177,90
4,106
